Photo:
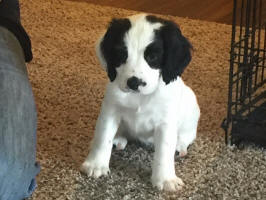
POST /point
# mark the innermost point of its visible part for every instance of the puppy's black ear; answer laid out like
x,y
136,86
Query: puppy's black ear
x,y
177,51
112,46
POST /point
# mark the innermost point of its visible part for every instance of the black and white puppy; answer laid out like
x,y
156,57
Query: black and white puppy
x,y
146,99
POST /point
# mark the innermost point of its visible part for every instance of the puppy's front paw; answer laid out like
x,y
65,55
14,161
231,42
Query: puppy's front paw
x,y
170,184
182,149
120,143
182,153
92,169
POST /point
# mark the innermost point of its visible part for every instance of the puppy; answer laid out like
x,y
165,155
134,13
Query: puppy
x,y
146,99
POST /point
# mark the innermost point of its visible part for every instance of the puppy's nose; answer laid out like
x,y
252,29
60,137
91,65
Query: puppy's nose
x,y
133,83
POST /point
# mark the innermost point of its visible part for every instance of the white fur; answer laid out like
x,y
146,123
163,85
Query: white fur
x,y
165,115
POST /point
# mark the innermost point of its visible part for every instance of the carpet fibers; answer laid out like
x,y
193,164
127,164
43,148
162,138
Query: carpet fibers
x,y
68,84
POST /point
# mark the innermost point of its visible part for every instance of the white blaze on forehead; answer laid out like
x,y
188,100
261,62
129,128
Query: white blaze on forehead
x,y
141,33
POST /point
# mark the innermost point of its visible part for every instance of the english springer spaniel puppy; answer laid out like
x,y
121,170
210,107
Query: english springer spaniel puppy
x,y
146,99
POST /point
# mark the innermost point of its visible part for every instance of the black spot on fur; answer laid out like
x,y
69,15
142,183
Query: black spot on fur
x,y
113,47
176,49
153,53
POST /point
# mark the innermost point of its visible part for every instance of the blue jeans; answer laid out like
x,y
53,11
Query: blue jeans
x,y
18,122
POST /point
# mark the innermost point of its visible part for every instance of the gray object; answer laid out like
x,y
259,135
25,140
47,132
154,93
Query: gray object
x,y
18,122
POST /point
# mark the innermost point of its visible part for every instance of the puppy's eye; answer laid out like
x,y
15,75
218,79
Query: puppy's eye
x,y
153,54
151,58
119,54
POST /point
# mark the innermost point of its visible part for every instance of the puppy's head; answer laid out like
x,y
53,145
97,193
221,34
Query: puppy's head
x,y
140,51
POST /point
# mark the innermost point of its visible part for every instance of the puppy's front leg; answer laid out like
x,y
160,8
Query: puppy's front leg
x,y
97,162
163,169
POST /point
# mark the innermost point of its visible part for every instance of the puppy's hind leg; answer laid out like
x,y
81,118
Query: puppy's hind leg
x,y
120,143
120,140
184,139
187,131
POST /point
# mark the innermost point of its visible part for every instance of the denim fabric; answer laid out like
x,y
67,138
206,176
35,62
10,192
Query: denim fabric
x,y
18,122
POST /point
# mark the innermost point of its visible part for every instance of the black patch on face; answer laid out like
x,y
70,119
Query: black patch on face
x,y
113,47
153,53
176,49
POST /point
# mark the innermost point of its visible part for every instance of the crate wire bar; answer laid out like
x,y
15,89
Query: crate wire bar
x,y
246,114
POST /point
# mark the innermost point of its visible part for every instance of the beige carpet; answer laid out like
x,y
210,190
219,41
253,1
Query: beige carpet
x,y
68,84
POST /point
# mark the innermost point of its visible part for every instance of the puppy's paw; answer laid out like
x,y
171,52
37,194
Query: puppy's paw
x,y
94,170
182,153
182,149
120,143
169,185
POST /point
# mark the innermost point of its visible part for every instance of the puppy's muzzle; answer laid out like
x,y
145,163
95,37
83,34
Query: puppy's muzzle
x,y
133,83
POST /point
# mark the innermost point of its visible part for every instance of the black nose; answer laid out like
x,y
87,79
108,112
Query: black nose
x,y
133,83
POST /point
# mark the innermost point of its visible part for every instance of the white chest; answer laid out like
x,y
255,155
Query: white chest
x,y
139,122
139,117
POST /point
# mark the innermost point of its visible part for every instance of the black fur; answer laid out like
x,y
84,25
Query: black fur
x,y
113,48
153,53
176,49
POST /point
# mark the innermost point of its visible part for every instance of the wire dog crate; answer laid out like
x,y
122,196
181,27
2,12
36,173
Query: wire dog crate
x,y
246,114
